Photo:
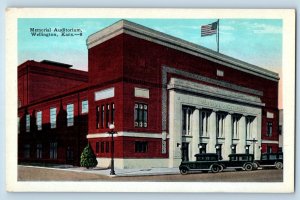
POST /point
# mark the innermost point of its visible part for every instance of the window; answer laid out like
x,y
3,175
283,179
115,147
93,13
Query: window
x,y
70,153
102,147
249,121
269,129
39,151
27,151
140,115
186,120
264,157
220,125
27,122
204,123
84,106
112,113
70,114
53,117
106,147
97,117
39,120
53,150
102,116
235,126
107,116
141,147
97,147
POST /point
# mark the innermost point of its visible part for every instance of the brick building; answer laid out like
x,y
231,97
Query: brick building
x,y
168,99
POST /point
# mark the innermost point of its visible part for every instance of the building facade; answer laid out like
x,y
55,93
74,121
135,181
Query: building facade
x,y
170,99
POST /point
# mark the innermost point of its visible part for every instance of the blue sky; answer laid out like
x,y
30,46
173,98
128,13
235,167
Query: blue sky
x,y
257,41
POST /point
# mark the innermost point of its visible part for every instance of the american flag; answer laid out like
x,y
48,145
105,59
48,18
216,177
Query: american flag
x,y
209,29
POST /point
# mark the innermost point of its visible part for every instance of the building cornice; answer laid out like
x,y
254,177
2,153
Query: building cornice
x,y
142,32
189,86
126,134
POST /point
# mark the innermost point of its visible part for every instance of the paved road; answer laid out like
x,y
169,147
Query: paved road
x,y
42,174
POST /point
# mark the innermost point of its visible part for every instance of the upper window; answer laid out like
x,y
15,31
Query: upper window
x,y
84,106
269,129
186,120
28,123
204,123
220,125
70,114
39,120
249,122
235,127
53,117
140,115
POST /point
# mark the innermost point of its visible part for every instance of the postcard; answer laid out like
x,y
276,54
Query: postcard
x,y
180,100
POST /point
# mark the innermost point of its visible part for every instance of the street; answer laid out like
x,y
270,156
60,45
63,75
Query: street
x,y
46,174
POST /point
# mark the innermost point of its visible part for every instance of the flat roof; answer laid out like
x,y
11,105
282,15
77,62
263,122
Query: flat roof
x,y
139,31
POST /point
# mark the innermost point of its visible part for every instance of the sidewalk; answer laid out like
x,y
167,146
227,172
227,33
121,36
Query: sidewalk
x,y
130,172
118,172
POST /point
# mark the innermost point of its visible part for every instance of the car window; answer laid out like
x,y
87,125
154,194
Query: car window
x,y
264,157
243,158
280,156
233,158
273,157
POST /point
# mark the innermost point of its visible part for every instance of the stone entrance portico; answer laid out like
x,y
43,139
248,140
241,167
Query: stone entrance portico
x,y
211,120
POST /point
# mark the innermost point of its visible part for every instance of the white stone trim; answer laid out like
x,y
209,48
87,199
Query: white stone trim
x,y
269,142
190,86
127,134
132,163
141,92
139,31
270,115
105,94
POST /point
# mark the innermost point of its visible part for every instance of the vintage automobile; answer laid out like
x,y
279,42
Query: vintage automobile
x,y
204,162
270,160
239,162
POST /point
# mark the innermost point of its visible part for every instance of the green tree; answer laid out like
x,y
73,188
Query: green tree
x,y
88,158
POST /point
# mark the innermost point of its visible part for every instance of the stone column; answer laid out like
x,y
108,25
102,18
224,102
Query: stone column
x,y
195,134
175,125
241,135
212,133
228,136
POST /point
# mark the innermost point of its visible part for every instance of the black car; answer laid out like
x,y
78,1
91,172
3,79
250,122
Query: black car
x,y
204,162
271,160
239,161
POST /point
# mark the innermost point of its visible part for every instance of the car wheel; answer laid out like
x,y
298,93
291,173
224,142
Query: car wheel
x,y
255,166
278,165
248,167
184,171
221,168
215,168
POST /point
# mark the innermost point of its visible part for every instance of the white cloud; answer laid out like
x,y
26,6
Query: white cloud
x,y
265,28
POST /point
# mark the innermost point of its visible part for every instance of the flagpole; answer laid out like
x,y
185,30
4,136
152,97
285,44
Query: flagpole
x,y
218,35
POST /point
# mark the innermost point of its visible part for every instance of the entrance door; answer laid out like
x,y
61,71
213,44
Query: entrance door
x,y
185,151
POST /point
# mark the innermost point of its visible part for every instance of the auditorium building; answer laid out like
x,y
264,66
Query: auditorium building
x,y
169,99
